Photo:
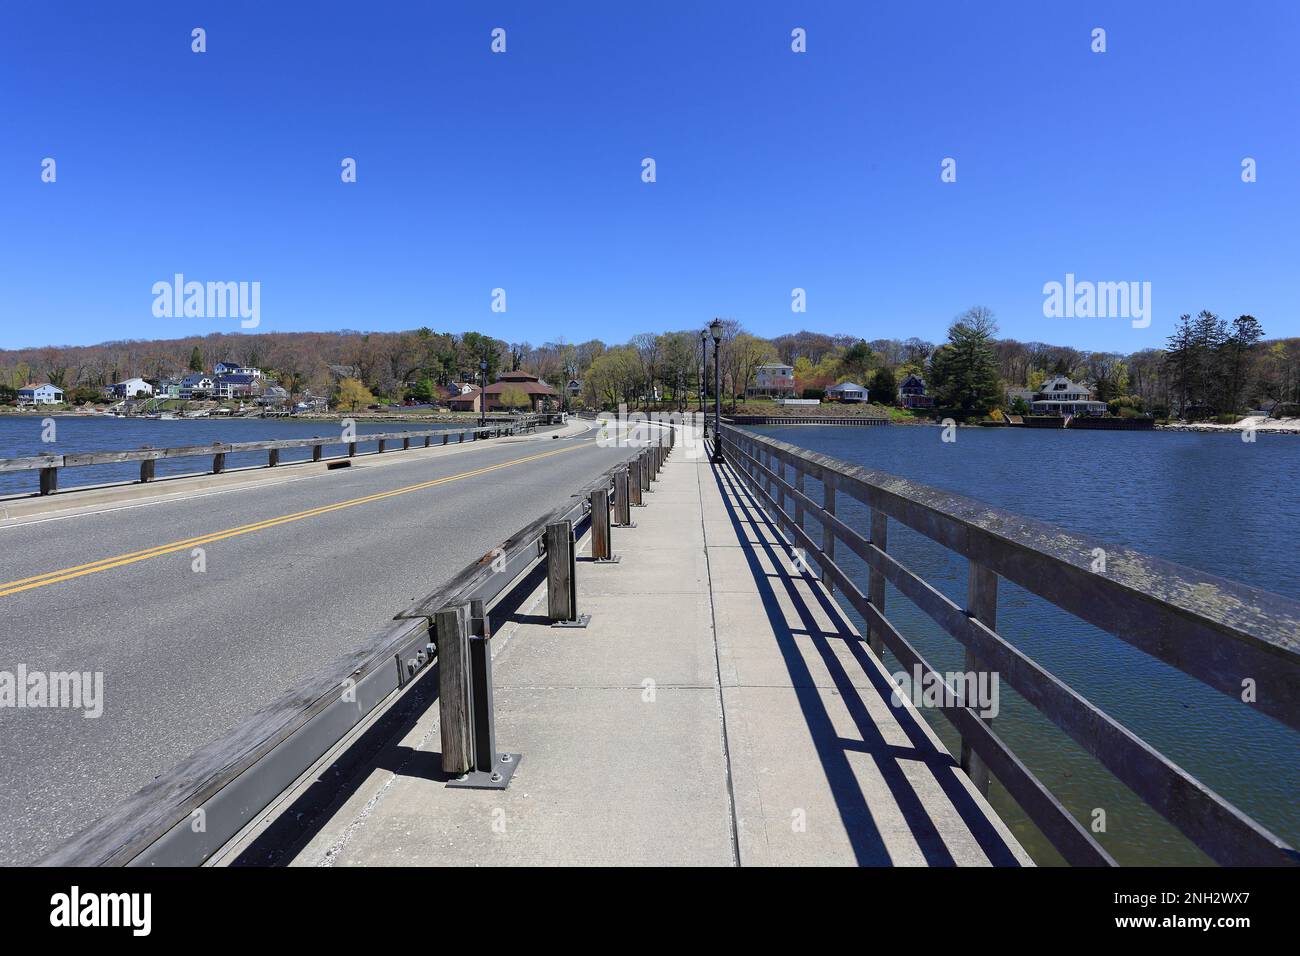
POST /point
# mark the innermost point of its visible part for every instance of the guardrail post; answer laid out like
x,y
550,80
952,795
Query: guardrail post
x,y
315,452
982,604
272,457
462,439
382,445
876,579
406,443
352,449
146,470
427,440
451,634
634,483
622,501
483,767
218,462
49,480
561,581
645,471
602,547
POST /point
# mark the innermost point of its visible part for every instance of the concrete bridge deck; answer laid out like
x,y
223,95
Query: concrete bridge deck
x,y
719,710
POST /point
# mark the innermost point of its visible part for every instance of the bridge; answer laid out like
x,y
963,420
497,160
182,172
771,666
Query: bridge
x,y
538,647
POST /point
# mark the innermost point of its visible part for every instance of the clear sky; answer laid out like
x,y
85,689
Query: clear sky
x,y
523,170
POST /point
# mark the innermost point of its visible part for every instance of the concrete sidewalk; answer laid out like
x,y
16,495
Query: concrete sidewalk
x,y
719,710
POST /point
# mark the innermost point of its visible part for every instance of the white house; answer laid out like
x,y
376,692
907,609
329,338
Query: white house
x,y
847,392
45,394
197,386
1060,396
132,388
772,380
230,368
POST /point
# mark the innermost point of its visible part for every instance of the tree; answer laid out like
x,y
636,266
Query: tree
x,y
513,397
196,360
1245,335
964,371
884,386
858,360
352,393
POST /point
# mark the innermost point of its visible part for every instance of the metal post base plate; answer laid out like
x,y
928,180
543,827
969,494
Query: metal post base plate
x,y
498,778
630,524
614,560
582,621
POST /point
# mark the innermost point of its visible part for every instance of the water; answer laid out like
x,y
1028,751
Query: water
x,y
20,437
1212,502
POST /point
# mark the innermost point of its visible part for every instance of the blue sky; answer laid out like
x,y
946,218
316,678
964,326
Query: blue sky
x,y
522,170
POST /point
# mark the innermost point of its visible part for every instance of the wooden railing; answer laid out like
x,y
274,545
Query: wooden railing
x,y
49,465
1227,635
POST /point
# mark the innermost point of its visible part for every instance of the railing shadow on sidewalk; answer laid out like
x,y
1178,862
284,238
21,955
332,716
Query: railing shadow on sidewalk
x,y
832,750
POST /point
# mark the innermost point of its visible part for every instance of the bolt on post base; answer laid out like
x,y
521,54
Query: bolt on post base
x,y
498,778
582,621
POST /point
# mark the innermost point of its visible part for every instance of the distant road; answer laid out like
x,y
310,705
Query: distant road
x,y
297,573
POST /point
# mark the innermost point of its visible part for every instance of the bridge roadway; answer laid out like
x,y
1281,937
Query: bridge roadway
x,y
299,565
718,710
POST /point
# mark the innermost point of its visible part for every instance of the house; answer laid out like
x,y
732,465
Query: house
x,y
1026,395
772,380
574,388
1060,396
847,392
466,399
197,386
533,388
43,394
168,388
911,393
273,395
230,368
132,388
235,386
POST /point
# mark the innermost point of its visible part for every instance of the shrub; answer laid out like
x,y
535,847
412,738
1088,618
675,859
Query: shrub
x,y
817,393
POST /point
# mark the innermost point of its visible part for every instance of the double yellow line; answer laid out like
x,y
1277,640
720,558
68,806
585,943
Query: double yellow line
x,y
67,574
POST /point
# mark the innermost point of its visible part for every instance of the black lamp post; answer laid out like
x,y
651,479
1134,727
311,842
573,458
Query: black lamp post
x,y
482,396
715,329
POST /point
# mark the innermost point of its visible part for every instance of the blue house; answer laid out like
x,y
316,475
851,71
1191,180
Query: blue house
x,y
45,394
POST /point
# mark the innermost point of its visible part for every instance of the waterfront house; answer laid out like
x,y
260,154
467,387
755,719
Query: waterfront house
x,y
168,388
1024,394
132,388
911,393
273,395
43,394
231,368
847,392
466,398
235,386
197,386
772,380
1060,396
537,391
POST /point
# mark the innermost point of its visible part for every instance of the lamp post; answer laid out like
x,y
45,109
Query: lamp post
x,y
482,396
715,329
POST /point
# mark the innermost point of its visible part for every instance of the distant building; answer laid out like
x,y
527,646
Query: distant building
x,y
230,368
1026,395
1060,396
235,386
197,386
773,380
574,388
132,388
466,399
847,392
168,388
43,394
911,393
537,391
273,395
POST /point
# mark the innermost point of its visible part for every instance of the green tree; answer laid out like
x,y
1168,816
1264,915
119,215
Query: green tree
x,y
883,387
964,371
352,393
196,360
514,398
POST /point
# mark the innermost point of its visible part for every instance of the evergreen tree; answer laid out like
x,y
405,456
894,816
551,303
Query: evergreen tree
x,y
196,360
964,371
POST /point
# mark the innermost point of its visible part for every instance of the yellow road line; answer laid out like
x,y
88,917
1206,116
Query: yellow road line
x,y
105,564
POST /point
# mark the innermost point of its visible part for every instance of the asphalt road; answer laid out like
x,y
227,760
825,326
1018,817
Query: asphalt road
x,y
187,654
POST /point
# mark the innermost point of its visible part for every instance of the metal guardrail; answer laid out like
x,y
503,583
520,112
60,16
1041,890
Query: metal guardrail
x,y
49,465
1220,632
192,811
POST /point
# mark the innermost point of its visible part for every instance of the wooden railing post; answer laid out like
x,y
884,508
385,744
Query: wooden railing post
x,y
828,536
352,449
49,480
602,547
272,457
406,443
218,462
315,452
981,604
561,578
452,637
876,579
634,483
382,445
645,470
622,501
